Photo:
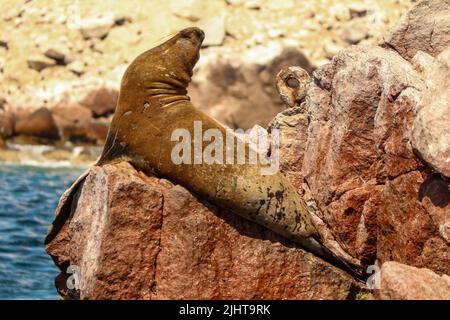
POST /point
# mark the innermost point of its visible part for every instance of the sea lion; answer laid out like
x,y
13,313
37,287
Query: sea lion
x,y
153,103
292,84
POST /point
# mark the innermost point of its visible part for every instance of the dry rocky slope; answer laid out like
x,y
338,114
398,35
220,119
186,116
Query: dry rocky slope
x,y
370,155
69,56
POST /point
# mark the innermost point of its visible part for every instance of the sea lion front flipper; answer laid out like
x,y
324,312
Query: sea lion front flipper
x,y
65,207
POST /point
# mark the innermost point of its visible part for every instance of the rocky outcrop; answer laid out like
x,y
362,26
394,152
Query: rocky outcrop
x,y
67,115
399,281
431,133
351,157
65,122
39,124
101,101
363,151
140,237
426,27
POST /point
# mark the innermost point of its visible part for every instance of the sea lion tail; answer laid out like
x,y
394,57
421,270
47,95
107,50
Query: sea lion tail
x,y
314,246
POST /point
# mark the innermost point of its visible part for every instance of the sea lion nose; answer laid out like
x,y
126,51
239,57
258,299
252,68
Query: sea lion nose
x,y
201,34
193,33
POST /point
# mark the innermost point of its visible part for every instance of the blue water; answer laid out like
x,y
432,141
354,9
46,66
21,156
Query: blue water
x,y
28,197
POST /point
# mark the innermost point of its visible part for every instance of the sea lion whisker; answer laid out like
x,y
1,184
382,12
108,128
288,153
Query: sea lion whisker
x,y
170,35
163,39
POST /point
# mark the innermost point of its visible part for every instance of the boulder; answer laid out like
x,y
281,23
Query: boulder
x,y
40,123
399,281
133,236
40,63
60,55
101,101
66,114
355,30
425,27
431,132
77,67
96,27
350,156
360,109
214,28
75,124
92,131
403,218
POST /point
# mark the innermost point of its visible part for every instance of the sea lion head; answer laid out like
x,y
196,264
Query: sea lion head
x,y
157,78
163,73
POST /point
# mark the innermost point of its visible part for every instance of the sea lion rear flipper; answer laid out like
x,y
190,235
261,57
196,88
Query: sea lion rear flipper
x,y
314,246
65,207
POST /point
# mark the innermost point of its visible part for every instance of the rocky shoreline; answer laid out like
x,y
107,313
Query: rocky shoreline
x,y
48,155
369,152
72,132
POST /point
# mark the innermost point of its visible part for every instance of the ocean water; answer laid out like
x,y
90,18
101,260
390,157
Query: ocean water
x,y
28,198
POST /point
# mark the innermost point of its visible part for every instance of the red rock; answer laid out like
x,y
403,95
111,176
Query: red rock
x,y
101,101
70,114
406,228
355,142
40,124
399,281
76,124
139,237
424,27
292,124
431,132
92,131
353,163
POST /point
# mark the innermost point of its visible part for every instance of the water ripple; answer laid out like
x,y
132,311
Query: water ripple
x,y
28,197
